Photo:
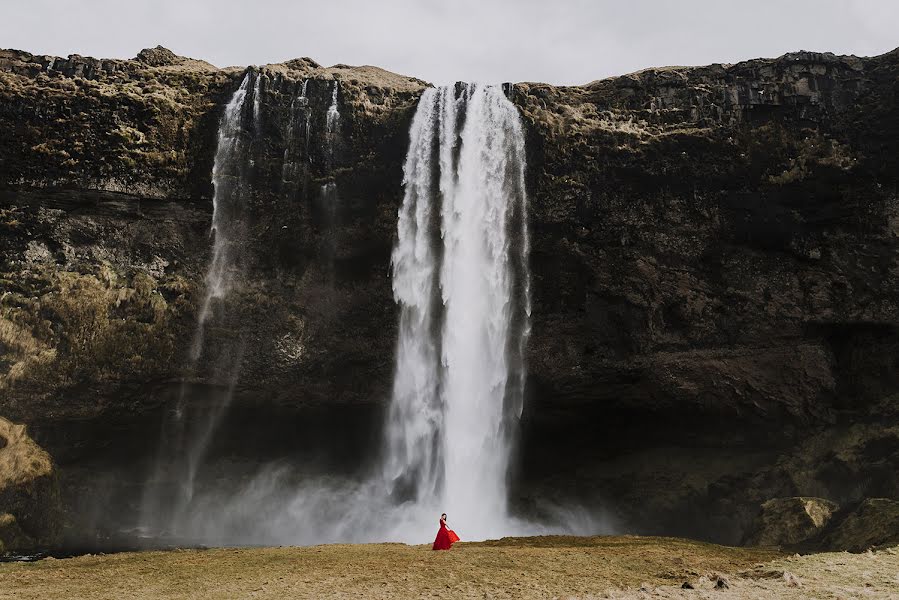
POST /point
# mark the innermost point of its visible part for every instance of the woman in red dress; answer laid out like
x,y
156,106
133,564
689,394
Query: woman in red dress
x,y
445,537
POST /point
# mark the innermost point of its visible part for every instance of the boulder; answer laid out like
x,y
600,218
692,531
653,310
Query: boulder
x,y
874,522
788,521
11,535
30,508
158,57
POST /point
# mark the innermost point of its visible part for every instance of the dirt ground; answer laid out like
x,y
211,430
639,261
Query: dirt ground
x,y
547,567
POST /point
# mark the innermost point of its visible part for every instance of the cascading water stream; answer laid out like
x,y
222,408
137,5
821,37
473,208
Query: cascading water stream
x,y
257,102
332,119
413,430
291,169
186,438
308,130
329,195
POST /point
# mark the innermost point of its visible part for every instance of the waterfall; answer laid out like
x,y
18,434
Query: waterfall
x,y
257,101
228,185
333,117
458,379
291,167
329,197
412,434
460,277
187,434
308,129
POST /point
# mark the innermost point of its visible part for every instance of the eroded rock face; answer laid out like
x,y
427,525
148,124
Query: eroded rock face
x,y
714,258
788,521
714,275
30,510
873,522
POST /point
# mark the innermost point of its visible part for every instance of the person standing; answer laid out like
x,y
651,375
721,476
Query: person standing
x,y
445,537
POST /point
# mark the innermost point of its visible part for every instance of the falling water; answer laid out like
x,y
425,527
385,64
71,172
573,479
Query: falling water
x,y
290,170
415,413
308,130
257,101
460,277
332,128
456,388
329,197
186,438
225,203
333,116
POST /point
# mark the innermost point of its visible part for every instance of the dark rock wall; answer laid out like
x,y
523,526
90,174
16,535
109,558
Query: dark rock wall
x,y
713,260
714,256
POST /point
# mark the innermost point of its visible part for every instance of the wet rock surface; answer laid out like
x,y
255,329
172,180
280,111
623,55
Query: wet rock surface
x,y
714,255
30,509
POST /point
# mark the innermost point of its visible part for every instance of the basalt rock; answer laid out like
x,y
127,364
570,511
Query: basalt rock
x,y
30,509
872,523
790,521
714,259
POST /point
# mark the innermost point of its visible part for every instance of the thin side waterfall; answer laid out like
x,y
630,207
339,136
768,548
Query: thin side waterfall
x,y
457,388
291,169
288,166
257,102
329,196
228,183
196,415
333,117
308,130
332,128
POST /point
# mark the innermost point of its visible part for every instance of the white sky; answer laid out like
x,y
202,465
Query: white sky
x,y
555,41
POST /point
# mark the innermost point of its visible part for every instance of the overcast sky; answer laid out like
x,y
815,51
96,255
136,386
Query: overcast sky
x,y
556,41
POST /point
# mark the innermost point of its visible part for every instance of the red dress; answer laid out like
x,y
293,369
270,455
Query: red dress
x,y
445,537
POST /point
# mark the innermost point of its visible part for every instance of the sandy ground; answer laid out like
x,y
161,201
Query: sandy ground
x,y
552,567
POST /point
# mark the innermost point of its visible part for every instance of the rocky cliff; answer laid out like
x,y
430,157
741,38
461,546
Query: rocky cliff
x,y
714,249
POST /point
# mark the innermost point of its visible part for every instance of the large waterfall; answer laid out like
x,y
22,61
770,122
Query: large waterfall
x,y
460,276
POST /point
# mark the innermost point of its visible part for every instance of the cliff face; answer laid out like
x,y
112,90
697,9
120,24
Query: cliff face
x,y
714,249
105,250
715,259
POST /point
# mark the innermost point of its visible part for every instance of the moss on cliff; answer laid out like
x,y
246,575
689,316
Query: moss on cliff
x,y
29,497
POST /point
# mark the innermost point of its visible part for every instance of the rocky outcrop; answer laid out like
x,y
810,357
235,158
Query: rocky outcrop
x,y
790,521
872,523
815,524
714,263
714,258
30,510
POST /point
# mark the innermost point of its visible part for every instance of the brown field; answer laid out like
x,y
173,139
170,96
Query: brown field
x,y
547,567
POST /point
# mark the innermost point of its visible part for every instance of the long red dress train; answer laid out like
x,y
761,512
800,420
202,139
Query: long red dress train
x,y
445,537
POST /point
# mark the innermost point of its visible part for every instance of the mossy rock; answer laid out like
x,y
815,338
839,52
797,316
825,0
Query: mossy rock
x,y
11,535
789,521
873,523
30,508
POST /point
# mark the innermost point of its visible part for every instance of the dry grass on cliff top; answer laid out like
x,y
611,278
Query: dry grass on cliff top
x,y
552,567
